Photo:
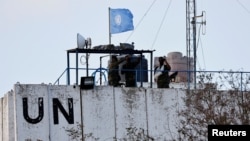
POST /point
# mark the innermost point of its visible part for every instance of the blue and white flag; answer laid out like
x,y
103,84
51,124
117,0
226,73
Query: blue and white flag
x,y
121,20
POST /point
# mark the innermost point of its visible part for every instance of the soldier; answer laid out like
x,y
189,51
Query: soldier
x,y
162,73
129,71
113,74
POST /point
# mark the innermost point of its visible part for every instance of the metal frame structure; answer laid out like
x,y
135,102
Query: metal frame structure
x,y
105,51
191,39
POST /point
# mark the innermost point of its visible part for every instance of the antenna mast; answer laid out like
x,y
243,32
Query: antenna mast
x,y
191,40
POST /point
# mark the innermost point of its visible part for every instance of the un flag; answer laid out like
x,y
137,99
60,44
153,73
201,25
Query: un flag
x,y
121,20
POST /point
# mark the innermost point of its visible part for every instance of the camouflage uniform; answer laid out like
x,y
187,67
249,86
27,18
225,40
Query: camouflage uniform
x,y
113,74
164,80
129,71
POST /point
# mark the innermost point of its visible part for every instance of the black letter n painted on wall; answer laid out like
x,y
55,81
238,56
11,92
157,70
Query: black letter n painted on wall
x,y
40,111
57,105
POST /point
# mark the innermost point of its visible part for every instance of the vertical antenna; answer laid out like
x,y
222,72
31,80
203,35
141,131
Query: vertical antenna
x,y
191,40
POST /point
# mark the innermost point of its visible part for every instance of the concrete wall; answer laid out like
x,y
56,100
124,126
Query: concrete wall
x,y
42,112
7,117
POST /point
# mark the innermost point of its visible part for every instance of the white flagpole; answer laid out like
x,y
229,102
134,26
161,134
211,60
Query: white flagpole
x,y
109,28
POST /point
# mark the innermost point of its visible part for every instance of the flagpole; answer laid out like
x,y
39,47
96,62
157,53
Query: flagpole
x,y
109,28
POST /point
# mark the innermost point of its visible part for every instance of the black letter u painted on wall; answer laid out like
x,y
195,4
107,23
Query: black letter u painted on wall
x,y
40,111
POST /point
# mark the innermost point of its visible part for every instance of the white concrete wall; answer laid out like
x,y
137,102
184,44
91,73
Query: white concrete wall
x,y
98,113
7,117
105,112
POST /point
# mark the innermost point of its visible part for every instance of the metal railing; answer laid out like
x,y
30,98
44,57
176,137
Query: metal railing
x,y
220,80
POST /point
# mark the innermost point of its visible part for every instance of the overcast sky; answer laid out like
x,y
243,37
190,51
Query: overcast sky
x,y
34,35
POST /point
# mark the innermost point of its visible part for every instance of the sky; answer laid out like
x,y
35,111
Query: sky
x,y
35,35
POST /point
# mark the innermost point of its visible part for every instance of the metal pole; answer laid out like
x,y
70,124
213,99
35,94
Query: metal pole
x,y
194,43
109,26
151,70
188,42
87,63
141,71
68,69
76,67
101,70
